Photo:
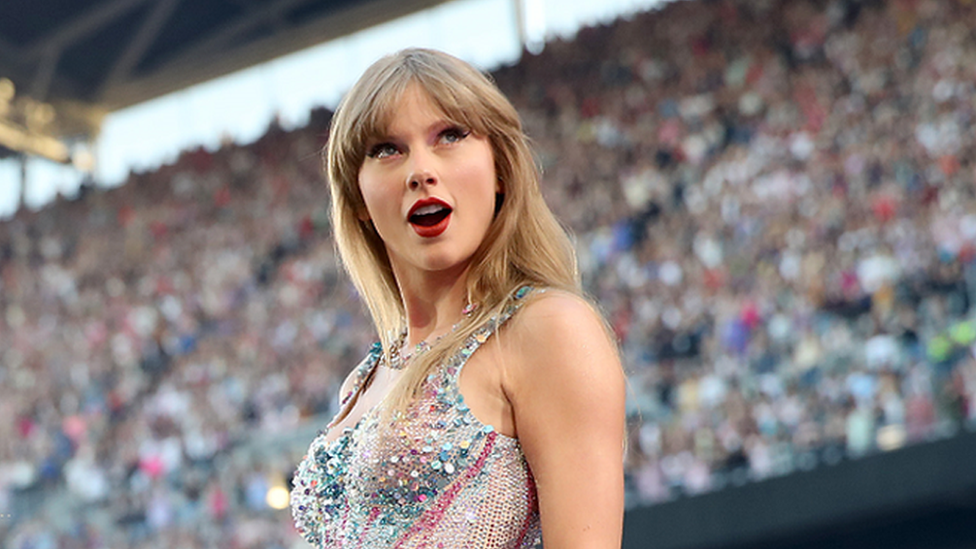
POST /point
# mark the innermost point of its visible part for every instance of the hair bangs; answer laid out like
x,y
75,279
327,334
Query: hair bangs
x,y
371,119
462,109
457,102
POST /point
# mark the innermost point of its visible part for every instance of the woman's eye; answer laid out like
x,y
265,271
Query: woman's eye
x,y
453,135
382,150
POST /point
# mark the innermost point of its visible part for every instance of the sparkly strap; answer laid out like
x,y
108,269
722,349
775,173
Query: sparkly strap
x,y
483,333
518,299
363,371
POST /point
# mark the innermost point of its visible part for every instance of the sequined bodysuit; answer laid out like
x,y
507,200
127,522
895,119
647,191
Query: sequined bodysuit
x,y
436,477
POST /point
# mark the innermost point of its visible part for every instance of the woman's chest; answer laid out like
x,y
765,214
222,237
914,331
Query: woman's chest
x,y
410,457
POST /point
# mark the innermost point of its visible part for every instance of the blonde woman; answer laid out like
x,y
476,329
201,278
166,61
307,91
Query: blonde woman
x,y
491,412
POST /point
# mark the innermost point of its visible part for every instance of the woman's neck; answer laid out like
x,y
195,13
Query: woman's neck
x,y
433,302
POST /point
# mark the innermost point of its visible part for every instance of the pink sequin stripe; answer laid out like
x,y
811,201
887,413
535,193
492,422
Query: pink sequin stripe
x,y
434,515
373,513
345,522
530,488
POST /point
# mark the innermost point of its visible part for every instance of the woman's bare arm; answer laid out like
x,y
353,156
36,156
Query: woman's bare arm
x,y
566,386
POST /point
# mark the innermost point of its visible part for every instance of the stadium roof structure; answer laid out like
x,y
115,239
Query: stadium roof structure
x,y
109,54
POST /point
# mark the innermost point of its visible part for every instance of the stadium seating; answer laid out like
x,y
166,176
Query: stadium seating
x,y
772,201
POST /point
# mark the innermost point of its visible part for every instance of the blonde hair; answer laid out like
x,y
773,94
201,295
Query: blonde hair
x,y
524,243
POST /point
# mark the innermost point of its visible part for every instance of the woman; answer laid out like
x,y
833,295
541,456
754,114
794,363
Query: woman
x,y
439,220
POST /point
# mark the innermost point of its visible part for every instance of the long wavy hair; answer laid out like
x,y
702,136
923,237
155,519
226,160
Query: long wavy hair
x,y
525,244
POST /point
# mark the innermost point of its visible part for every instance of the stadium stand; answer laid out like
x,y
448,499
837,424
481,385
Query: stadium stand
x,y
773,201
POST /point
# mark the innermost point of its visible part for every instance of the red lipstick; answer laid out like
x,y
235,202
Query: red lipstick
x,y
429,217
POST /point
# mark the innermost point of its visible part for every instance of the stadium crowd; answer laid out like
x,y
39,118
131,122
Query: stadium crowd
x,y
772,201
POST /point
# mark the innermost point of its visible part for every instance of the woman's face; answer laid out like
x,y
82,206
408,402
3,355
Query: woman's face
x,y
429,187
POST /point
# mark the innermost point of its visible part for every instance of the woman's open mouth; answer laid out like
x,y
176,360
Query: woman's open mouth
x,y
430,217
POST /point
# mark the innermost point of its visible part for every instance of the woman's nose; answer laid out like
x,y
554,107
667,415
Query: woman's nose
x,y
421,171
417,179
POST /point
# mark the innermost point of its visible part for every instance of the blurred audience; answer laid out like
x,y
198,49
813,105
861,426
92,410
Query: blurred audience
x,y
773,201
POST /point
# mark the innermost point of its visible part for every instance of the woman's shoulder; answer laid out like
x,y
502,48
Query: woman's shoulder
x,y
542,301
554,315
559,331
